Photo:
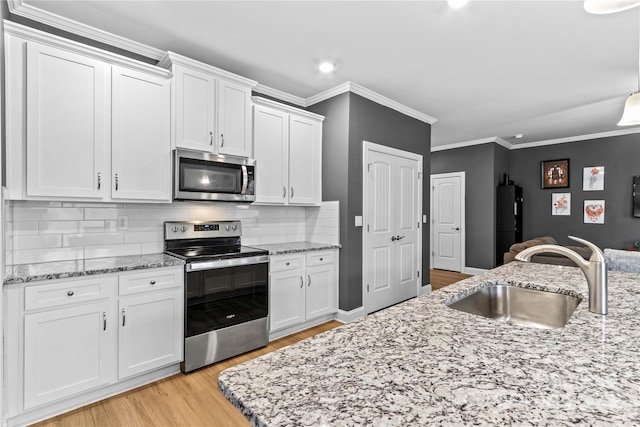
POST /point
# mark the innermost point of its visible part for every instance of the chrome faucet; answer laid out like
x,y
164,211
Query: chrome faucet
x,y
595,270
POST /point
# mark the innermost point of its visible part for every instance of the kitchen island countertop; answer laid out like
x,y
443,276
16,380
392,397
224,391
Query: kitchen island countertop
x,y
420,362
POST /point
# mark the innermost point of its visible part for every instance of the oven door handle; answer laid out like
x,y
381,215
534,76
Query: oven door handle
x,y
224,263
245,179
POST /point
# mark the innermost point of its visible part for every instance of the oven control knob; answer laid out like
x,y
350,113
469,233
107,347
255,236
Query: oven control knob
x,y
175,229
184,228
235,227
226,227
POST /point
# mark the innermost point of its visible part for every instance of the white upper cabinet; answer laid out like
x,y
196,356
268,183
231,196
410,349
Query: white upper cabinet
x,y
212,107
141,146
70,108
288,152
67,119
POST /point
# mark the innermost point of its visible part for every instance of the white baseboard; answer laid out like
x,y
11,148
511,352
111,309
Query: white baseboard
x,y
350,316
474,271
424,290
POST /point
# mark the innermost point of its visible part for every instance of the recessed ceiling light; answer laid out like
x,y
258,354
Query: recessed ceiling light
x,y
457,4
326,67
519,136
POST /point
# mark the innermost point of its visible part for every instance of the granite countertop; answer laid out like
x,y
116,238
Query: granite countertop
x,y
294,247
421,362
86,267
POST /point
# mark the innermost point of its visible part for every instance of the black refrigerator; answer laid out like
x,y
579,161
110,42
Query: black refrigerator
x,y
508,219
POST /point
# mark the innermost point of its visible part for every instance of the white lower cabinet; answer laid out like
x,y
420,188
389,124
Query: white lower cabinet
x,y
72,341
302,287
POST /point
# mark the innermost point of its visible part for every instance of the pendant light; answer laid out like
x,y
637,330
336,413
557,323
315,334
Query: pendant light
x,y
631,113
600,7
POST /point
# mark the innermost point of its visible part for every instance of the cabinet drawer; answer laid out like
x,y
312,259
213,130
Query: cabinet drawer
x,y
150,280
319,258
285,262
63,293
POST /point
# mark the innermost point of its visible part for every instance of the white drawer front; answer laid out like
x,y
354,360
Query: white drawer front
x,y
286,262
133,283
62,293
319,258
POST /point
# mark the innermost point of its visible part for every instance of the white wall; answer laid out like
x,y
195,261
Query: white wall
x,y
61,231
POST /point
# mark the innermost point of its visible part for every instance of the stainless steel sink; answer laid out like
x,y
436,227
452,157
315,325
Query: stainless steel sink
x,y
522,306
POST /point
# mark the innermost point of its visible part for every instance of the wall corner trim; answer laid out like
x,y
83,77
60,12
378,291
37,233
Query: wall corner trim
x,y
372,96
350,316
19,8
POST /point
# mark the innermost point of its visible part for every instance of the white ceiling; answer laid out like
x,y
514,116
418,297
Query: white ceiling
x,y
546,69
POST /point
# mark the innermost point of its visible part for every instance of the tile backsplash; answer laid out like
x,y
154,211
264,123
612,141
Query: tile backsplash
x,y
60,231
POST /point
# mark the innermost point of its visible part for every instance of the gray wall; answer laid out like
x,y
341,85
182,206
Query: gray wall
x,y
365,121
619,155
483,166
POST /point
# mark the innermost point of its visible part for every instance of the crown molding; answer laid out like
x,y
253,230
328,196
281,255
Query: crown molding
x,y
286,108
171,58
22,32
19,8
578,138
493,139
372,96
278,94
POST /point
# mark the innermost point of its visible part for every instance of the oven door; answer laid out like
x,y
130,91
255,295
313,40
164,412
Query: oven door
x,y
206,176
224,293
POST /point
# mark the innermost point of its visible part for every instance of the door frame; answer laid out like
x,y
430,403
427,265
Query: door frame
x,y
463,225
372,146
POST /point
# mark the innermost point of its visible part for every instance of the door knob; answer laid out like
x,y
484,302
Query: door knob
x,y
394,238
399,237
457,228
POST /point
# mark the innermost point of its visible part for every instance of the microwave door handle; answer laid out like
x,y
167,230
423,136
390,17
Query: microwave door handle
x,y
245,179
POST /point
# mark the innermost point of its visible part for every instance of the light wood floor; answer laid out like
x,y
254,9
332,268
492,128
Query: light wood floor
x,y
441,278
194,399
181,400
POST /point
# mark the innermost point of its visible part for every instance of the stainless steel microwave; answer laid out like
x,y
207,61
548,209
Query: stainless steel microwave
x,y
205,176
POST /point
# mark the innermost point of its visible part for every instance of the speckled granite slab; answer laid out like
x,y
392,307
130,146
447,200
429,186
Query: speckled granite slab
x,y
87,267
290,248
420,363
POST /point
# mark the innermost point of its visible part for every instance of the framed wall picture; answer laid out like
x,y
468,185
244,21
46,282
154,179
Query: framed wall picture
x,y
561,204
555,173
593,178
594,211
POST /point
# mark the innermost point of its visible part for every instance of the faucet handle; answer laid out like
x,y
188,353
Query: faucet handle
x,y
596,254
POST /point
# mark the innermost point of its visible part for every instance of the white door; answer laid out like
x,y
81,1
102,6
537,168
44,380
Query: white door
x,y
271,136
67,114
67,351
151,333
141,147
305,164
321,291
195,109
392,241
447,207
286,299
234,119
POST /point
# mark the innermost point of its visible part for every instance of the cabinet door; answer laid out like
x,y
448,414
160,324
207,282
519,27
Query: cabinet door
x,y
321,291
234,119
305,163
151,328
270,136
67,351
67,116
141,150
195,109
286,299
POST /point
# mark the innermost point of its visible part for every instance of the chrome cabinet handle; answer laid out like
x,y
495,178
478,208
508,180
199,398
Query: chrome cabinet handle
x,y
210,138
221,140
292,192
124,317
284,191
116,182
301,282
309,277
99,180
153,282
104,321
70,293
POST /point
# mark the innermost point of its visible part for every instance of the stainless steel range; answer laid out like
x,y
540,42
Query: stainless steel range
x,y
226,290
